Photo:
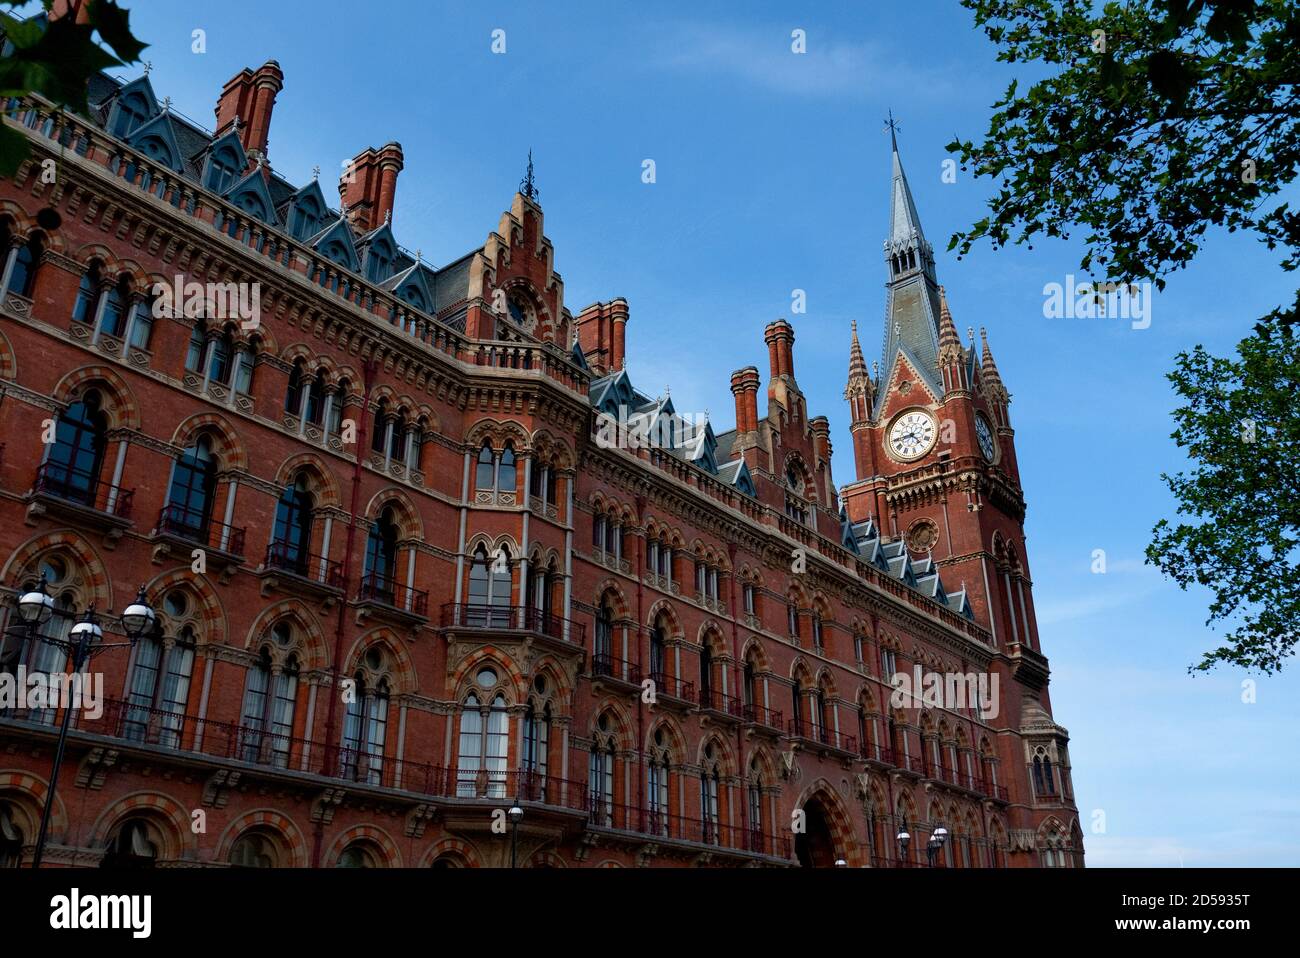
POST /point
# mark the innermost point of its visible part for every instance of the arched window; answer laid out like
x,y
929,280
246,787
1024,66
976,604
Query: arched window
x,y
189,500
749,684
657,785
113,311
197,347
11,838
293,392
132,111
292,536
77,454
484,742
133,846
709,780
755,797
484,475
23,261
357,855
221,366
490,585
792,618
706,673
364,728
506,478
537,741
252,850
88,291
223,168
604,642
160,689
270,699
817,629
379,441
659,651
381,557
600,775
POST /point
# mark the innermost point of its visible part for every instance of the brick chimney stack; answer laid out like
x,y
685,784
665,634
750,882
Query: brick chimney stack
x,y
744,386
602,334
250,96
368,185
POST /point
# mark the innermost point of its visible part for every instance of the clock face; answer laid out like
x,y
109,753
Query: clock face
x,y
912,434
984,433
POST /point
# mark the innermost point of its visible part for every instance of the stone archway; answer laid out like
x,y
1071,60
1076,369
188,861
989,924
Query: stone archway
x,y
814,847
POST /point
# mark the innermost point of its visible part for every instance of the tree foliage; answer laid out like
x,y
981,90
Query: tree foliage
x,y
57,59
1153,121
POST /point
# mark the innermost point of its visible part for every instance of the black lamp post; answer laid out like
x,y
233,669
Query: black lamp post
x,y
516,815
84,640
903,840
935,844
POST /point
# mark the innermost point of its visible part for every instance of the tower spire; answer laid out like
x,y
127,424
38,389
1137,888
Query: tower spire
x,y
998,394
527,185
912,315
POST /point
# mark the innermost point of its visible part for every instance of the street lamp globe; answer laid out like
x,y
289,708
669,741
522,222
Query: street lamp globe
x,y
87,631
36,607
138,617
515,814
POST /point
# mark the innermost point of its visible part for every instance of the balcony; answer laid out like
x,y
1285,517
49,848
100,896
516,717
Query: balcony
x,y
82,496
763,719
387,598
287,565
618,673
823,739
556,631
701,833
673,692
185,529
192,738
719,705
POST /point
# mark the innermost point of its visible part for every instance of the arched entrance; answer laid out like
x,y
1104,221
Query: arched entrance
x,y
815,847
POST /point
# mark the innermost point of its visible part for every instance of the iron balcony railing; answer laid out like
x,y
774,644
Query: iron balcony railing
x,y
757,714
288,557
673,687
197,527
390,592
608,666
815,732
83,488
524,617
714,700
753,840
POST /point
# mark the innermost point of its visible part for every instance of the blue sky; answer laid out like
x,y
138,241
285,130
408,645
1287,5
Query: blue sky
x,y
773,175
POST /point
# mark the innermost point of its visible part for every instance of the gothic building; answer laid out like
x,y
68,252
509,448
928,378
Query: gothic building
x,y
421,551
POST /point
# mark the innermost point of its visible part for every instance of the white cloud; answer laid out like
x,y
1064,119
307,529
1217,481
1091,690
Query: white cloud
x,y
831,66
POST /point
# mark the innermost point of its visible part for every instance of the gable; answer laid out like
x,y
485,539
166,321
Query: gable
x,y
157,140
251,195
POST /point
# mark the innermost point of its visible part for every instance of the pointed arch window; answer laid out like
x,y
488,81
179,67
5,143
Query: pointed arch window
x,y
197,347
76,456
748,683
657,774
706,673
490,587
709,782
659,651
11,838
755,797
506,472
292,536
600,778
365,725
189,500
20,270
603,649
160,688
270,699
484,744
88,291
113,310
381,557
132,847
537,741
484,474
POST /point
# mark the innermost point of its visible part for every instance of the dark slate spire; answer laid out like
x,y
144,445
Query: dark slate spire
x,y
912,313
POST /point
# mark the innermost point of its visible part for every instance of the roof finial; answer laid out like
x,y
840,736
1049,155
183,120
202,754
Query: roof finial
x,y
419,257
148,67
527,185
315,172
167,104
235,123
388,217
343,209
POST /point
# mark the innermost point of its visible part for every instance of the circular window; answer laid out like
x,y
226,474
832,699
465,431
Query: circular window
x,y
539,683
54,569
374,658
176,604
486,678
282,633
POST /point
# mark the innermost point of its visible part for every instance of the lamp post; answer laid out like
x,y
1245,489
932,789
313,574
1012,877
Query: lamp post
x,y
903,839
841,863
935,844
84,640
516,815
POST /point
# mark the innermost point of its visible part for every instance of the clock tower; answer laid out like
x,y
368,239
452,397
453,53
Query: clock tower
x,y
933,446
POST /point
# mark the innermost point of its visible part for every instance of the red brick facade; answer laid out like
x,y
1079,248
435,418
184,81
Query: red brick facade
x,y
368,694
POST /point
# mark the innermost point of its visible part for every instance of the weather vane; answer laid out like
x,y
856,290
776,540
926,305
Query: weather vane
x,y
527,186
891,126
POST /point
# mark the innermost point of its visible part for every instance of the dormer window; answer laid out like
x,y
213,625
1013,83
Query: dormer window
x,y
223,168
132,111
